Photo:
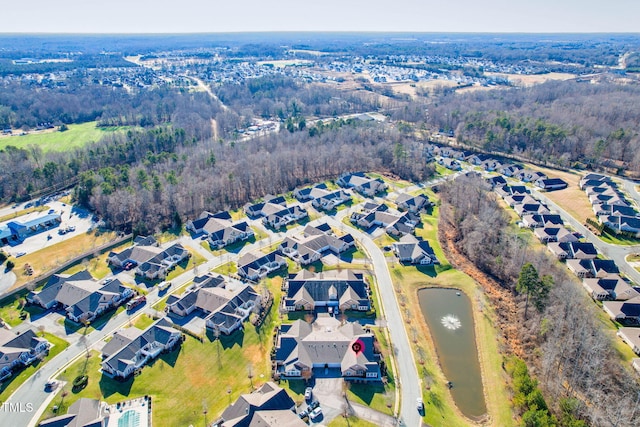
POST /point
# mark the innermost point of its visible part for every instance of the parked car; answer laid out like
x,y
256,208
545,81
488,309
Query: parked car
x,y
303,414
316,413
19,254
420,405
313,405
164,286
307,393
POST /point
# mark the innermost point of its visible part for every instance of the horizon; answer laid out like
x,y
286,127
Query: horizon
x,y
240,16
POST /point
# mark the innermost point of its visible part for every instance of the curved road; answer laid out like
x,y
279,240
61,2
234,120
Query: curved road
x,y
408,380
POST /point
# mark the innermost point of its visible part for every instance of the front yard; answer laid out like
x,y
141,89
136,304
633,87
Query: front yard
x,y
8,387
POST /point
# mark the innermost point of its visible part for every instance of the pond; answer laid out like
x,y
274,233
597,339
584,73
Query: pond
x,y
450,319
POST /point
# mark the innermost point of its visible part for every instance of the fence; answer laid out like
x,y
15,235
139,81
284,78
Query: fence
x,y
32,284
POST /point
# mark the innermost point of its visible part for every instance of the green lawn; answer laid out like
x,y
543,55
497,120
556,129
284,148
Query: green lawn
x,y
57,345
227,268
77,136
352,421
183,381
143,322
23,212
618,240
10,311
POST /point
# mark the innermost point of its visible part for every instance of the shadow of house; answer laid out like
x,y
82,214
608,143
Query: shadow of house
x,y
131,349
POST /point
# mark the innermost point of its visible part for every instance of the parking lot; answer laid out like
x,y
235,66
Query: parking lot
x,y
74,219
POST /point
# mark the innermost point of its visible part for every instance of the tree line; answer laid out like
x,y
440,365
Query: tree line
x,y
565,123
214,176
562,341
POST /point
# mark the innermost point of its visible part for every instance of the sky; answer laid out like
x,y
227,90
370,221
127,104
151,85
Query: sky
x,y
210,16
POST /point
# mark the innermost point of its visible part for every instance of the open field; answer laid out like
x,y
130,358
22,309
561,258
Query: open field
x,y
21,212
532,79
572,199
52,256
77,136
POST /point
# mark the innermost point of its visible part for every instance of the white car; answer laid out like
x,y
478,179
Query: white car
x,y
420,405
316,413
307,393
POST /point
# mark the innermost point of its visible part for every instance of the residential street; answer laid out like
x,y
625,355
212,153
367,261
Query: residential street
x,y
32,391
614,252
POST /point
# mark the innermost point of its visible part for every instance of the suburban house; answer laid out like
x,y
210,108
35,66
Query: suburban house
x,y
623,311
573,250
496,181
510,170
268,406
491,165
610,199
593,179
379,215
222,309
276,215
220,229
415,204
314,244
631,336
148,258
551,184
621,223
528,175
322,198
131,349
530,208
511,190
541,220
554,234
450,163
592,267
81,296
605,209
20,350
84,412
255,266
256,210
340,290
362,184
18,230
413,250
326,345
612,287
518,199
478,158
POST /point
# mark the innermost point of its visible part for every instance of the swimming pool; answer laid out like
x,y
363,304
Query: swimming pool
x,y
130,418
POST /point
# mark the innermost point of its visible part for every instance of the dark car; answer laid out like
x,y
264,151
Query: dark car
x,y
313,405
304,413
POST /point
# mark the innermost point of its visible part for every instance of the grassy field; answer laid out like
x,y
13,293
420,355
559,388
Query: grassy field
x,y
76,136
21,212
97,266
57,345
200,368
52,256
618,240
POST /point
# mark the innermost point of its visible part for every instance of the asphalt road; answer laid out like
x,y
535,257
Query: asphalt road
x,y
408,381
31,393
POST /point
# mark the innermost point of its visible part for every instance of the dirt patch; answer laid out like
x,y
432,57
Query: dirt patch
x,y
532,79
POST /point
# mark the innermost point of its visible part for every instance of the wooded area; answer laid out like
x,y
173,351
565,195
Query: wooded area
x,y
562,123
